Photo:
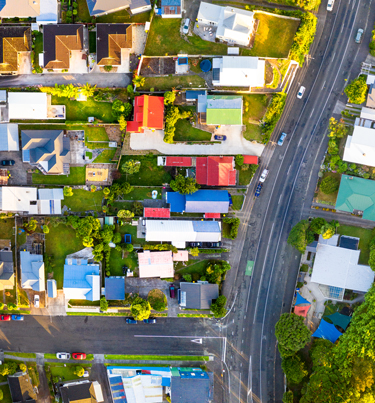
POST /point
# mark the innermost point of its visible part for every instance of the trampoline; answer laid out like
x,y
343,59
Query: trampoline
x,y
205,65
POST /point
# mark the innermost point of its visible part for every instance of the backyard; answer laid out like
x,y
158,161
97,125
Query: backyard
x,y
83,200
105,156
141,193
6,229
123,16
329,199
255,107
77,176
363,234
61,241
186,132
166,83
237,202
191,267
7,398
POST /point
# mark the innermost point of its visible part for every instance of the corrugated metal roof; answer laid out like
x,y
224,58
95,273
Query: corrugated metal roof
x,y
176,201
52,288
178,161
115,288
212,215
250,159
156,212
206,226
82,281
50,194
193,95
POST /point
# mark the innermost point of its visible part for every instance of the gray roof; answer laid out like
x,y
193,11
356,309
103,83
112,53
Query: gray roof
x,y
50,194
32,271
198,295
52,288
192,389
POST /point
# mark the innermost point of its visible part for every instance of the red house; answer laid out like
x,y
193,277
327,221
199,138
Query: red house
x,y
148,114
216,171
150,212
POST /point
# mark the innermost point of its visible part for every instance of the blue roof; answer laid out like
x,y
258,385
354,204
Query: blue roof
x,y
171,2
206,226
327,331
165,381
202,201
177,202
81,277
115,288
209,195
191,95
51,288
115,380
300,300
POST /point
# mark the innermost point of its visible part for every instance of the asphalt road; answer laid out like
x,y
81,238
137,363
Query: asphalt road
x,y
254,367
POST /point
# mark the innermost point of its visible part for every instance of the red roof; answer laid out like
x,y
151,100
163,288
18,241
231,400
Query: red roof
x,y
148,113
178,161
301,310
211,215
215,171
157,212
250,159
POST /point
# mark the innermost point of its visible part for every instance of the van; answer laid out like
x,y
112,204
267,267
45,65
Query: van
x,y
172,289
330,5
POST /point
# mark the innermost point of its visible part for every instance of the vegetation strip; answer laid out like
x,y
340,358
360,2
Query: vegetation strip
x,y
23,355
157,357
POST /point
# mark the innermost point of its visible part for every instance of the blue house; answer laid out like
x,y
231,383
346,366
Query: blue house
x,y
202,201
171,8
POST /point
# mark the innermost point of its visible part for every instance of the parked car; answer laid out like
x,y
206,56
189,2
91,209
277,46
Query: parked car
x,y
216,244
5,317
280,142
230,199
221,138
258,189
172,291
149,320
7,163
196,244
131,321
86,374
264,175
358,37
79,356
63,356
36,301
185,29
18,317
330,5
301,92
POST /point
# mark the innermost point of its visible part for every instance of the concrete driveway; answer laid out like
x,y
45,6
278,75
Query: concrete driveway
x,y
18,174
235,144
24,63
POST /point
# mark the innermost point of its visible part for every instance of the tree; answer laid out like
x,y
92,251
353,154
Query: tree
x,y
239,160
116,238
234,224
8,368
88,242
140,309
106,192
68,191
218,307
103,304
291,333
31,225
139,81
79,371
215,270
122,123
371,261
120,108
125,214
294,369
329,185
131,167
300,236
129,247
23,367
184,185
137,208
194,251
356,91
288,397
169,98
88,90
329,229
320,352
316,225
187,277
45,229
1,395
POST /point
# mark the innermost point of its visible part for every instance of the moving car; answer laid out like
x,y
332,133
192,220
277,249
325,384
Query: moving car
x,y
280,142
7,163
63,356
18,317
5,317
301,92
221,138
79,356
36,301
131,321
358,37
264,175
150,320
330,5
258,189
185,29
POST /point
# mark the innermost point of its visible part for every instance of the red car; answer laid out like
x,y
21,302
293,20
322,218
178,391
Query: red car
x,y
5,317
79,356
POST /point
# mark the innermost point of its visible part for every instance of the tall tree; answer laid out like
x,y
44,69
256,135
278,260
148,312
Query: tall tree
x,y
294,369
140,309
356,91
184,185
300,236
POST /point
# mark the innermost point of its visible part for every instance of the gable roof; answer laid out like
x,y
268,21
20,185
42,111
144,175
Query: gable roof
x,y
19,8
215,171
223,109
360,147
110,39
13,40
201,201
21,388
155,264
32,271
99,7
115,288
198,295
9,137
148,113
81,392
357,194
58,41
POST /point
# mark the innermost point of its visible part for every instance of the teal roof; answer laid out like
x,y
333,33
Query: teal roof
x,y
357,194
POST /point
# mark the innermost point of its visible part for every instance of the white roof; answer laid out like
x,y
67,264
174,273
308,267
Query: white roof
x,y
240,71
9,140
143,389
48,12
17,198
27,105
98,391
49,207
370,79
235,24
360,147
338,267
209,12
367,113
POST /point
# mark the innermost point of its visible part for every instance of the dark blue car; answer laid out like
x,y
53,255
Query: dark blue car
x,y
18,317
150,320
131,321
258,189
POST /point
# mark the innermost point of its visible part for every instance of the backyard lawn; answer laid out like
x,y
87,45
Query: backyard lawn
x,y
93,133
83,12
166,83
61,241
6,229
237,202
192,267
186,132
331,198
77,176
7,398
141,193
105,156
124,16
255,107
38,48
363,234
83,200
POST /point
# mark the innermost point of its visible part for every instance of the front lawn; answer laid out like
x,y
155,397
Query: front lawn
x,y
77,176
125,17
116,262
331,198
83,200
365,237
237,202
61,241
255,107
105,156
64,371
166,83
198,267
186,132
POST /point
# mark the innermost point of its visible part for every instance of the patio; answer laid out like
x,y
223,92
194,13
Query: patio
x,y
206,32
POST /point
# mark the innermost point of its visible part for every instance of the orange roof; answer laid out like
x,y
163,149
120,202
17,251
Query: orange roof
x,y
148,113
250,159
215,171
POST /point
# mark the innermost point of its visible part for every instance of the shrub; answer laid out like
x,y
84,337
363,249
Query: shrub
x,y
218,307
234,225
108,68
356,91
187,277
329,185
79,371
103,304
304,38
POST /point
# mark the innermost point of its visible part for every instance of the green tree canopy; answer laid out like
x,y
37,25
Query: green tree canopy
x,y
316,225
139,81
121,108
79,371
356,91
320,352
218,307
294,369
288,397
68,191
169,98
131,167
184,185
140,309
300,236
329,185
125,214
103,304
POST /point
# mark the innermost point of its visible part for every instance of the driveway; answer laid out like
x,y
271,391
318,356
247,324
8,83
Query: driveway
x,y
24,63
18,174
78,62
235,144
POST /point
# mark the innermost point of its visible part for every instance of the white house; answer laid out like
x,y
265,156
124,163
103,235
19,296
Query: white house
x,y
9,137
45,11
238,71
233,24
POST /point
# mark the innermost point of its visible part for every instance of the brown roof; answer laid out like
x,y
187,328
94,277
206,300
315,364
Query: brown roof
x,y
111,38
13,40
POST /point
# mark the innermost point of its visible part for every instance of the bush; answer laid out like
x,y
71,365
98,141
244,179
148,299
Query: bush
x,y
187,277
218,307
23,367
108,68
79,371
234,225
103,304
304,38
356,91
329,185
272,115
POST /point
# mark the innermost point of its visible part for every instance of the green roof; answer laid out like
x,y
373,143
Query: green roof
x,y
357,194
224,117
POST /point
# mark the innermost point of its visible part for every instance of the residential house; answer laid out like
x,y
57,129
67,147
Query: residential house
x,y
51,288
175,161
32,271
4,115
238,71
215,171
112,41
48,150
6,265
370,102
9,137
220,109
15,42
357,196
81,279
336,267
21,388
179,232
115,288
44,11
104,7
49,201
155,264
233,25
201,201
171,8
197,295
155,212
148,114
63,48
191,96
81,391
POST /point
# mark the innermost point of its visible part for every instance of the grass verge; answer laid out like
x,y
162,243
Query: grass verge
x,y
237,202
157,357
23,355
194,315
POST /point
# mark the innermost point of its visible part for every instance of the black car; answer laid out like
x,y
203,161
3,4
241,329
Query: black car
x,y
258,189
7,163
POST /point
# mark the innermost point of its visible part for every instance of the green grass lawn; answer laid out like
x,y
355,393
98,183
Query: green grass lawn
x,y
197,267
149,174
116,262
245,177
124,16
80,111
89,154
23,355
61,241
6,229
166,83
83,302
7,398
141,193
363,234
83,200
255,107
64,371
38,48
225,230
83,12
94,133
157,357
105,156
92,42
77,176
237,202
186,132
331,198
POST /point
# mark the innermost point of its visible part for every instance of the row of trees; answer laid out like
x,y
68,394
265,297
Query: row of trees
x,y
336,131
70,91
272,115
304,38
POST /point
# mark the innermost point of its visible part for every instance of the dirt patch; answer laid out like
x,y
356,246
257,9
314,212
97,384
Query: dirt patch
x,y
269,73
156,66
133,61
114,133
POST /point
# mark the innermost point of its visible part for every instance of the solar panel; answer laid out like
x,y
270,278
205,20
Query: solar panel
x,y
216,74
114,380
335,292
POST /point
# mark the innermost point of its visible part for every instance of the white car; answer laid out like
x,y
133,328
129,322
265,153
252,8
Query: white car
x,y
63,356
264,175
301,92
36,301
330,5
185,29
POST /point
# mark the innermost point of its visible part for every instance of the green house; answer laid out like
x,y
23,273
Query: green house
x,y
224,110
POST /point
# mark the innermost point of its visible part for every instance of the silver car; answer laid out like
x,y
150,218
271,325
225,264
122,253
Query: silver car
x,y
358,37
63,356
185,29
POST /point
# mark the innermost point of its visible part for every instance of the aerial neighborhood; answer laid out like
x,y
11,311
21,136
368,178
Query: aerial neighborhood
x,y
187,201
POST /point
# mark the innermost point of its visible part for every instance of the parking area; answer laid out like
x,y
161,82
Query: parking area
x,y
18,174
